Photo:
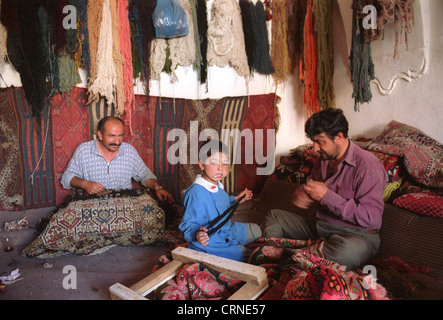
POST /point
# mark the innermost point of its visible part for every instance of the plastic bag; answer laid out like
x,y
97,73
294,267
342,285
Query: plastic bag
x,y
170,19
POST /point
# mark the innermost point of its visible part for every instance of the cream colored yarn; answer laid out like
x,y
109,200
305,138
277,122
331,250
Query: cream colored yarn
x,y
226,43
106,75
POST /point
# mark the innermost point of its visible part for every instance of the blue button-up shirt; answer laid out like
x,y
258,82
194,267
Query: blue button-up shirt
x,y
88,164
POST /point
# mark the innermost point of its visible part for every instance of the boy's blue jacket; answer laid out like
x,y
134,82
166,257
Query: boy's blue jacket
x,y
203,202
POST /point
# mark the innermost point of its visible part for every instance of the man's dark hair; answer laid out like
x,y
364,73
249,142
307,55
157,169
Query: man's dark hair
x,y
102,122
330,121
211,147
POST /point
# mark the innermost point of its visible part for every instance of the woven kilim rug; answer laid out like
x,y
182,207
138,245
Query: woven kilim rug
x,y
87,223
26,166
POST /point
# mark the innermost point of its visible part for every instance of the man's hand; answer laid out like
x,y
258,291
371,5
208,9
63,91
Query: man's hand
x,y
315,189
164,195
301,199
90,187
202,236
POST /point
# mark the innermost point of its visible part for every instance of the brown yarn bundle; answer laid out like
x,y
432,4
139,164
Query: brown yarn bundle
x,y
401,12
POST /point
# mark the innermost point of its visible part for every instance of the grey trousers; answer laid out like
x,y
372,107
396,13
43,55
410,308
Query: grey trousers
x,y
254,233
351,247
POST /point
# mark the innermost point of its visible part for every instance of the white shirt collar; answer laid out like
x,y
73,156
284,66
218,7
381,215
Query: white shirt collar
x,y
208,185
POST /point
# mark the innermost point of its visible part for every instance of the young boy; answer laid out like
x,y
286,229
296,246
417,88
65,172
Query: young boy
x,y
205,200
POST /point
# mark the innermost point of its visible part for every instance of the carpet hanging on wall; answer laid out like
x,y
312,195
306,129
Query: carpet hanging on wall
x,y
196,115
26,166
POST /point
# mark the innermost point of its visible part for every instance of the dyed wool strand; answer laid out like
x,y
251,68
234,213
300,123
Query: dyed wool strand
x,y
325,49
202,23
279,43
125,48
310,54
362,66
262,62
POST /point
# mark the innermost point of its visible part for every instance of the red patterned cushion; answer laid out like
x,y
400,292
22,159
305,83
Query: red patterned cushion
x,y
424,203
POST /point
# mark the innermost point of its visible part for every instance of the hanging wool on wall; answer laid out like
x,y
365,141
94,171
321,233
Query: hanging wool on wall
x,y
135,50
94,12
3,44
362,66
125,48
181,49
325,49
55,11
279,43
310,56
81,46
295,33
401,12
198,58
46,16
140,14
262,59
104,81
68,73
247,14
25,49
226,43
202,23
63,72
119,93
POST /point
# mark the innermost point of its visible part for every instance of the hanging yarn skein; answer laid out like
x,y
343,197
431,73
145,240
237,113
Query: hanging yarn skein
x,y
362,66
119,94
262,61
226,43
106,75
400,12
325,49
125,48
140,14
295,33
26,49
279,43
202,23
310,56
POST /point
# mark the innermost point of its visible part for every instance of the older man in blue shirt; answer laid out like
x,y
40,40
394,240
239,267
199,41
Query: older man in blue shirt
x,y
109,163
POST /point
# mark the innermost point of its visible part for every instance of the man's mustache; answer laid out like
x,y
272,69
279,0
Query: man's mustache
x,y
114,144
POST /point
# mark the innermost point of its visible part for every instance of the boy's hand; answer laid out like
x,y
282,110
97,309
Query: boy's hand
x,y
202,236
247,197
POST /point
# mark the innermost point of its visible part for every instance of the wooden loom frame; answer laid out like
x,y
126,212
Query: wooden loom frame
x,y
254,276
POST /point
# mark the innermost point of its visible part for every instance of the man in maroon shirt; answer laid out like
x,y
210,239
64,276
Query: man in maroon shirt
x,y
346,183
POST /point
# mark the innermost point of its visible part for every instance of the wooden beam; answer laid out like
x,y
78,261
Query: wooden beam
x,y
120,292
157,278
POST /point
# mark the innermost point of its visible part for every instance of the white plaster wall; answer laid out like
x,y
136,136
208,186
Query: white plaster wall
x,y
418,103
